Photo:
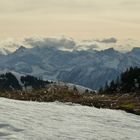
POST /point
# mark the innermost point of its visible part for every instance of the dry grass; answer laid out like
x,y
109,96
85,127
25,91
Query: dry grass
x,y
128,102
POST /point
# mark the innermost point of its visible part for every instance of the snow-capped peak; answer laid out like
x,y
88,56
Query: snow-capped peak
x,y
20,49
4,51
136,49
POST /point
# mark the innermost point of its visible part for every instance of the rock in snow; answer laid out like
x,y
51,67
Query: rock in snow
x,y
50,121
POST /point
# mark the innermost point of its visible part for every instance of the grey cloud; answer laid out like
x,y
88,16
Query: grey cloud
x,y
51,42
108,40
93,46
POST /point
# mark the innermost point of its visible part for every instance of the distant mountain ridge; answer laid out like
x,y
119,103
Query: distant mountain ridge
x,y
87,68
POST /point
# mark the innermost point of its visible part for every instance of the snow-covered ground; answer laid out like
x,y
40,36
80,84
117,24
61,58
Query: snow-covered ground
x,y
56,121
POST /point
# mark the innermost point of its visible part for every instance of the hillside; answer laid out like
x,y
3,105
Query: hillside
x,y
127,82
13,82
126,98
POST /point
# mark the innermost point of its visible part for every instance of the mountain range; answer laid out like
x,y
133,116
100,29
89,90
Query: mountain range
x,y
90,68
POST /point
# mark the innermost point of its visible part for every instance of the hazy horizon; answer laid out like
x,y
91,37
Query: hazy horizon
x,y
79,19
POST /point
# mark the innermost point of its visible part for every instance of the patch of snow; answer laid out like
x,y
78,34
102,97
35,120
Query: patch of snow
x,y
58,121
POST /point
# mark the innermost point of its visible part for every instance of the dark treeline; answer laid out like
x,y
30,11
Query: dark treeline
x,y
9,82
34,82
127,82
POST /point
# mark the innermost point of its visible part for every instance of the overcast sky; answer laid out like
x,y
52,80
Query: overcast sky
x,y
80,19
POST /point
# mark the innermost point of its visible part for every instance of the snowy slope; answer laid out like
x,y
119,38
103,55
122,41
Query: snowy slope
x,y
57,121
70,86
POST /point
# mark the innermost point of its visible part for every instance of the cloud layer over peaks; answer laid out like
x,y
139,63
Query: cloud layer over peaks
x,y
69,44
